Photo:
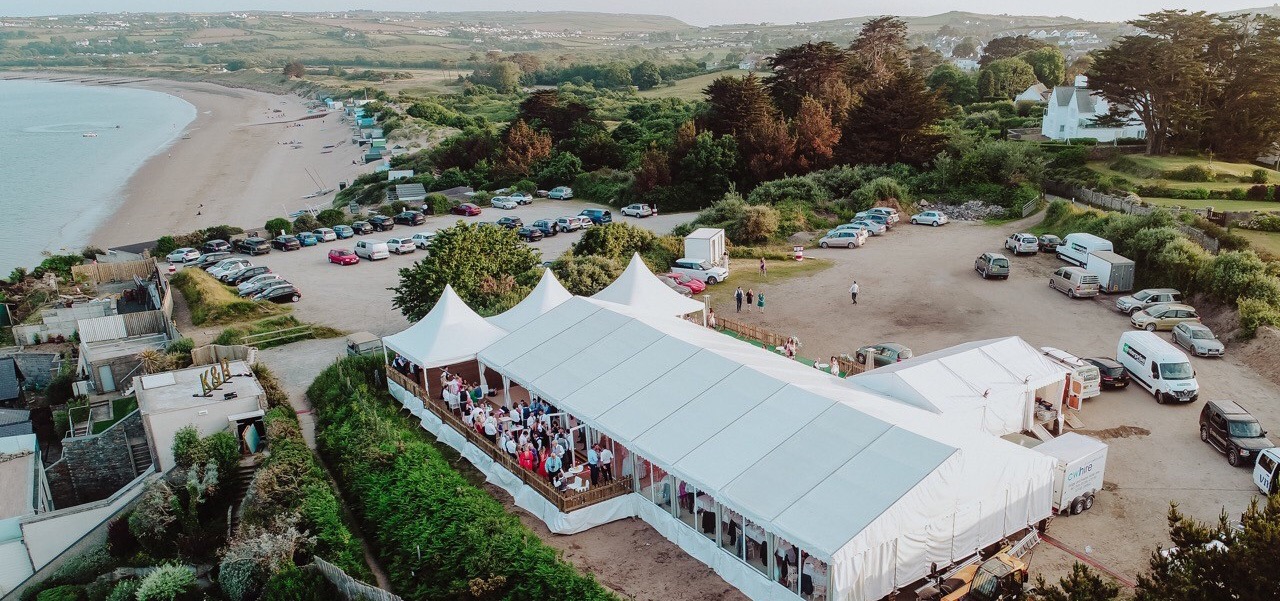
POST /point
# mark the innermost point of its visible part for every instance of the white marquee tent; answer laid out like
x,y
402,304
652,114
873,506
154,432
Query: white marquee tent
x,y
639,289
987,386
545,296
875,488
450,333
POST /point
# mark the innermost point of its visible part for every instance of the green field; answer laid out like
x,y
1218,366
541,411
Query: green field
x,y
1224,170
690,88
1219,205
1268,242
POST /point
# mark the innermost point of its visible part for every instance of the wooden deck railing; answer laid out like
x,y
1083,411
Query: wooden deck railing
x,y
769,339
564,501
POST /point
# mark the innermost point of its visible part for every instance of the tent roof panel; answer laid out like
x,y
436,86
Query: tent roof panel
x,y
609,352
536,332
563,346
547,295
451,332
639,289
626,379
665,394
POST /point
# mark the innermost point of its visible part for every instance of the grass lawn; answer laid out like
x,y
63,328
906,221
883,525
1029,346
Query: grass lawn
x,y
1263,241
119,409
293,331
212,302
746,273
1220,205
690,88
1173,163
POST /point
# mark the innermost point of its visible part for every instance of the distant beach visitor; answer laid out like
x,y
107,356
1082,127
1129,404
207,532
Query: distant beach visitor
x,y
853,292
763,270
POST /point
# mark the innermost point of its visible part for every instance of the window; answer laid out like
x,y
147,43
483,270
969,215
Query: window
x,y
1175,371
1217,420
1267,464
1242,429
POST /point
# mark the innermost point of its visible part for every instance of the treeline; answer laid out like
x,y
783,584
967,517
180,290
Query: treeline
x,y
507,73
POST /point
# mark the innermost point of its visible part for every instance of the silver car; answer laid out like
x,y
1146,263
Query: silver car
x,y
1198,338
1150,297
255,284
874,227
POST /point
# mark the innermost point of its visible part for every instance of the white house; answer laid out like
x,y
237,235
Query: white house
x,y
211,398
1036,93
1073,111
965,64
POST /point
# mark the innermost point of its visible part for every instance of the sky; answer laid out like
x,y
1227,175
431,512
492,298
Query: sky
x,y
696,12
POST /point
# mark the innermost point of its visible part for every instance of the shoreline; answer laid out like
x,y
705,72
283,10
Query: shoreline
x,y
234,164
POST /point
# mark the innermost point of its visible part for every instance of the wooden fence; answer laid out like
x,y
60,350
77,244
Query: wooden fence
x,y
769,339
124,271
564,501
277,337
349,588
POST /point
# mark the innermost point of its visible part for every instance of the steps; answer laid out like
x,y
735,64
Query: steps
x,y
141,454
240,482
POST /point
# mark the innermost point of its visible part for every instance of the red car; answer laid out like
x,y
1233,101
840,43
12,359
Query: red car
x,y
466,209
343,256
694,285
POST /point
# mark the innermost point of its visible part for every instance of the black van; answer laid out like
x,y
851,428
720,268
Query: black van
x,y
253,246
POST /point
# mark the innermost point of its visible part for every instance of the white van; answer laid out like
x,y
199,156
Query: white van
x,y
1158,366
1086,379
1075,248
372,249
1266,471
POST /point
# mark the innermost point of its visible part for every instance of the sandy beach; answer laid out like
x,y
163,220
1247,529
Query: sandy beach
x,y
235,164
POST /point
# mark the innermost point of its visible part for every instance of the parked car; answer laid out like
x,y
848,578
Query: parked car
x,y
597,216
228,276
529,234
503,202
382,223
279,293
245,275
510,223
700,269
573,223
637,210
847,238
361,227
325,234
560,193
849,226
1163,317
466,209
523,198
216,246
308,239
934,218
342,256
546,226
343,232
182,255
286,242
208,260
1048,243
541,193
1198,338
694,285
253,246
677,286
885,353
890,213
875,229
401,246
226,265
256,283
423,239
372,249
1149,297
409,218
1231,429
874,218
1022,244
1075,282
1110,372
992,265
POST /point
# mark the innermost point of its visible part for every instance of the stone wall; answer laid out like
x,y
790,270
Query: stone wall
x,y
61,486
102,463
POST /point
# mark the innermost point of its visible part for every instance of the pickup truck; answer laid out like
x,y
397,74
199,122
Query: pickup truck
x,y
700,269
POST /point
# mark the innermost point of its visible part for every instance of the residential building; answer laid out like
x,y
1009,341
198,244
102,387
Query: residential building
x,y
1036,93
1073,112
25,493
213,398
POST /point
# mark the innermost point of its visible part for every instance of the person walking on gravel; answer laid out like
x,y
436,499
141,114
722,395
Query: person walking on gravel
x,y
853,292
737,298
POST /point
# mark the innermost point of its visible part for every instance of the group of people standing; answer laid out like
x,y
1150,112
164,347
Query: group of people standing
x,y
750,296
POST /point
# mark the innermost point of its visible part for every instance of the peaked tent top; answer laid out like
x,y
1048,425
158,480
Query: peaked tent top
x,y
639,289
450,333
545,296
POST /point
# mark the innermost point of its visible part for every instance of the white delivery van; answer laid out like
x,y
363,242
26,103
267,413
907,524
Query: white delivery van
x,y
372,249
1158,366
1075,248
1264,471
1081,461
1086,379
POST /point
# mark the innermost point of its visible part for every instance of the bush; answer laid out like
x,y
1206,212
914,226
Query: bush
x,y
1255,314
616,241
276,225
223,449
437,204
1256,192
604,185
800,189
187,450
295,584
166,583
759,223
125,590
331,217
121,542
84,568
305,222
1191,173
66,592
1258,176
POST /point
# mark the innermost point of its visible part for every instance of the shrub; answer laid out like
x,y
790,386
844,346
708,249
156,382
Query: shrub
x,y
800,189
223,449
585,276
877,190
276,225
166,583
125,590
164,246
1258,176
121,542
616,241
1191,173
437,204
1256,192
296,584
66,592
758,224
84,568
331,217
604,185
304,223
1255,314
181,346
187,450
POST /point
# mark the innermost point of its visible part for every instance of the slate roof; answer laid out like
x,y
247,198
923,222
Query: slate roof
x,y
9,387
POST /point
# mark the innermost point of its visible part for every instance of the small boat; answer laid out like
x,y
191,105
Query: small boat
x,y
89,134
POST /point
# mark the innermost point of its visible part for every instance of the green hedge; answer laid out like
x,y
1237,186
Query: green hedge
x,y
437,534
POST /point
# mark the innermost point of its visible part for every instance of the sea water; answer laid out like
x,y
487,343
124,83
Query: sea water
x,y
56,185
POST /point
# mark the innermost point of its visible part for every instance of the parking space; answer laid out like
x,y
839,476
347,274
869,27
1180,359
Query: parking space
x,y
357,297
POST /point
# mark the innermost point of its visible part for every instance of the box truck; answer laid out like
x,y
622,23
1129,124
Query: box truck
x,y
1075,248
1078,476
1115,273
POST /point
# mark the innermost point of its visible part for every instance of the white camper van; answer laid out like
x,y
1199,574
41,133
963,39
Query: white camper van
x,y
1086,379
1266,472
1081,461
1075,248
1158,366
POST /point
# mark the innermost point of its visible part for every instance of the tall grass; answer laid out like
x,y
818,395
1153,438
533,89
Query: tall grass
x,y
212,303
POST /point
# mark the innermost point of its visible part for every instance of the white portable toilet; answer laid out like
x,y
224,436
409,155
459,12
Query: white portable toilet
x,y
706,243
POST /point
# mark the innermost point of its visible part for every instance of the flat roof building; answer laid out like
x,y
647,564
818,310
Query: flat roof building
x,y
212,398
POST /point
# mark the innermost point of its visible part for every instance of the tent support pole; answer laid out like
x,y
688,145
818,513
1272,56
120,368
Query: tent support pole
x,y
506,390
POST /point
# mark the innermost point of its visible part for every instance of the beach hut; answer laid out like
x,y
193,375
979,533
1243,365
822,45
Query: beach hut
x,y
372,155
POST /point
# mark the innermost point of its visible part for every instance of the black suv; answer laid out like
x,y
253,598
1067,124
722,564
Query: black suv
x,y
362,227
286,242
1112,373
410,218
1230,429
382,223
253,246
216,246
511,223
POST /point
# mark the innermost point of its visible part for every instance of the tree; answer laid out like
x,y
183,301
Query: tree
x,y
1008,47
1082,585
1048,64
559,169
523,147
304,223
967,48
1005,78
924,59
816,136
711,165
757,225
878,53
814,70
955,85
586,275
1244,121
646,75
331,217
767,149
736,104
277,225
558,114
896,123
615,241
503,76
295,69
463,256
